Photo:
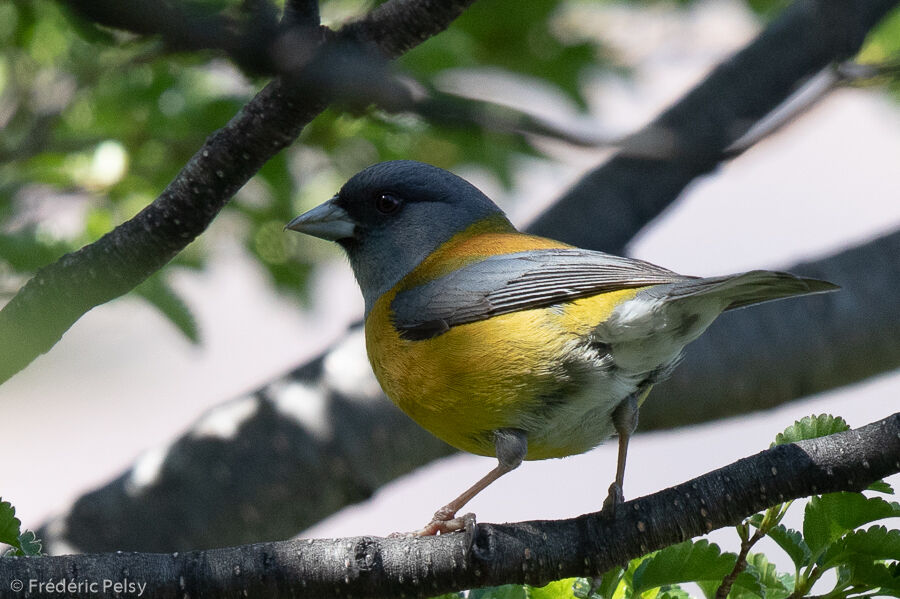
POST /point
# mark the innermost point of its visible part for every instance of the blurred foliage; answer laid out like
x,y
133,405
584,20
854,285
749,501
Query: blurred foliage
x,y
20,542
97,122
883,48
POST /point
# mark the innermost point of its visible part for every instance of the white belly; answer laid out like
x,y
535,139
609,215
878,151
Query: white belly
x,y
644,340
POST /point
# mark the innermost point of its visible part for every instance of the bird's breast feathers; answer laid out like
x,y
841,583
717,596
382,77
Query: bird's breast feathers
x,y
541,370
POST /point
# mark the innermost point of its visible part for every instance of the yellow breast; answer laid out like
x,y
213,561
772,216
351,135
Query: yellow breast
x,y
485,375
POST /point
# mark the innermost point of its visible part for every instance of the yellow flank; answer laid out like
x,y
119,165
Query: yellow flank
x,y
485,375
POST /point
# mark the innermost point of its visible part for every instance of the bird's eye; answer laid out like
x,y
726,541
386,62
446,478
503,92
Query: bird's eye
x,y
387,203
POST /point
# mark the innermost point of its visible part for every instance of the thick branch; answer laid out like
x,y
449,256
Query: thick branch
x,y
34,320
529,552
615,200
398,26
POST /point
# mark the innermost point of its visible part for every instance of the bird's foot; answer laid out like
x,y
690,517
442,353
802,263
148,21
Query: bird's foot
x,y
441,524
616,497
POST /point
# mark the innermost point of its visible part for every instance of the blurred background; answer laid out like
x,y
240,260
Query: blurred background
x,y
96,122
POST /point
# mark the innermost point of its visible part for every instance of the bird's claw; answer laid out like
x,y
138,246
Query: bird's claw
x,y
441,526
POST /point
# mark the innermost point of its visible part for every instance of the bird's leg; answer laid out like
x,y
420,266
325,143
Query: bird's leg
x,y
625,421
511,446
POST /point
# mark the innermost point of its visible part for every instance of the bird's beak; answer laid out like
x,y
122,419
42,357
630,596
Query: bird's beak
x,y
327,221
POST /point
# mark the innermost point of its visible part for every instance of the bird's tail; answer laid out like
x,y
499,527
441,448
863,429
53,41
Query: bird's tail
x,y
749,288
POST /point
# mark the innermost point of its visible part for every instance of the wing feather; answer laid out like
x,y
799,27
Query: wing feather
x,y
521,281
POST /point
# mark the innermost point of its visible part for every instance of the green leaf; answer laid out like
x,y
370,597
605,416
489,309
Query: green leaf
x,y
10,526
449,596
158,292
709,587
23,543
610,582
767,576
29,545
747,585
759,579
767,8
685,562
24,252
830,516
875,543
521,41
872,575
879,486
812,427
674,592
883,41
560,589
507,591
790,540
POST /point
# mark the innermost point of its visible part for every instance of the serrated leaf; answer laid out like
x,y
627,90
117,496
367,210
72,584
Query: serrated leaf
x,y
158,292
790,540
29,544
767,576
747,586
23,543
812,427
759,579
686,562
829,517
10,526
507,591
559,589
879,486
871,575
875,543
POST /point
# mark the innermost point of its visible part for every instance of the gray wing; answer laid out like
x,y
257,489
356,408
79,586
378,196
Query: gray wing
x,y
512,282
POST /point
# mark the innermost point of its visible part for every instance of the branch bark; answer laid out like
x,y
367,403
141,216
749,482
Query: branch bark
x,y
615,200
59,294
528,552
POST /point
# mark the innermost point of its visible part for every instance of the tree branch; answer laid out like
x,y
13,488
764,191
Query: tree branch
x,y
246,40
398,26
615,200
528,552
35,319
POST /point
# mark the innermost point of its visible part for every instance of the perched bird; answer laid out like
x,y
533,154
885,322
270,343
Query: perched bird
x,y
505,344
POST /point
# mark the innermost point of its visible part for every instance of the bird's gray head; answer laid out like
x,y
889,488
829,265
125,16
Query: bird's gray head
x,y
392,215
